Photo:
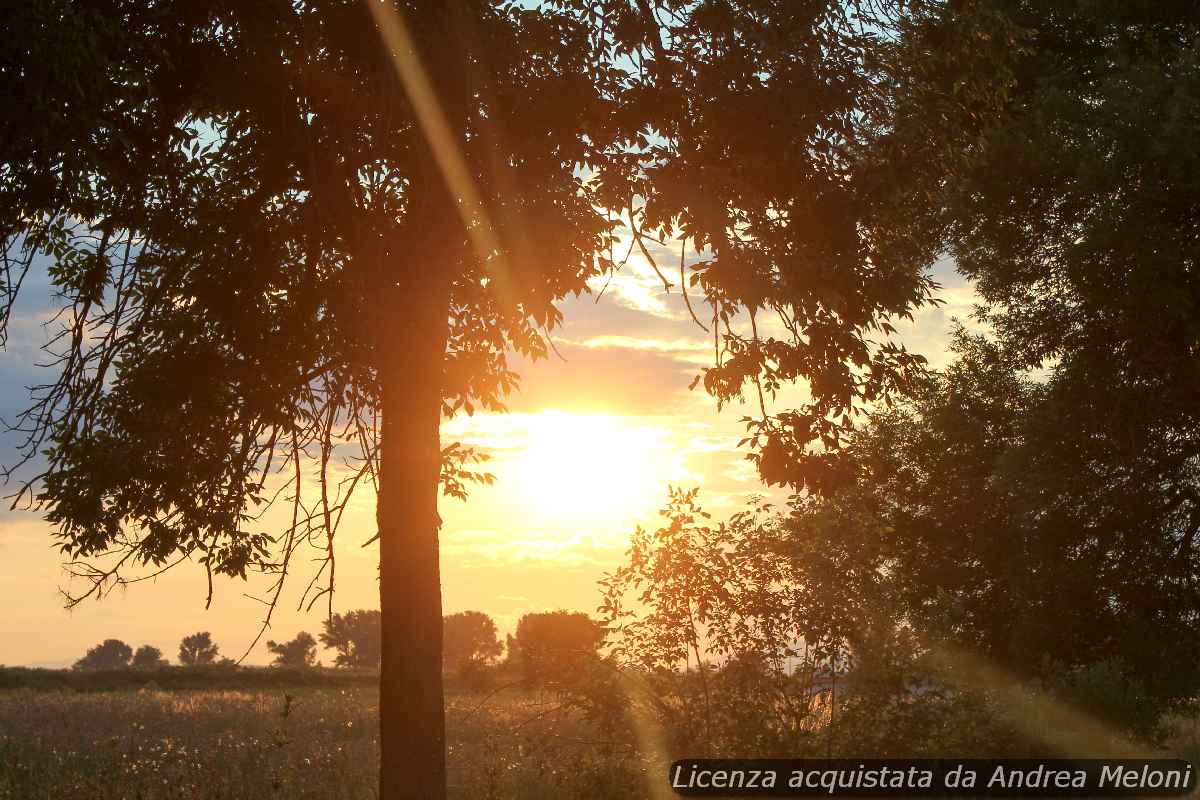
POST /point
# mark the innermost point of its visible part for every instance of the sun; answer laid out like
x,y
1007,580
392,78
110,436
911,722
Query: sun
x,y
598,466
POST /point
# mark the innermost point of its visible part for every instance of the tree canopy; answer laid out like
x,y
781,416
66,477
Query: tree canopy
x,y
299,652
969,525
198,649
1072,204
109,654
1072,207
355,635
219,364
470,641
1035,503
554,648
148,657
317,228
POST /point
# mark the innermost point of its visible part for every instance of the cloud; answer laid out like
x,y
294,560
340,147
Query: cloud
x,y
637,382
541,547
929,331
638,286
620,342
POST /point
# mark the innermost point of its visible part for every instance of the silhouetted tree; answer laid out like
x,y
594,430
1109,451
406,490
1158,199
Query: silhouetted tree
x,y
470,641
355,636
299,652
148,657
966,529
197,649
328,225
1072,209
1072,205
109,654
1005,535
1073,202
554,648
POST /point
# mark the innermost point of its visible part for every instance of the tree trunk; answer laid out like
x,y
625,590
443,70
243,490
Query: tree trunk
x,y
413,303
411,713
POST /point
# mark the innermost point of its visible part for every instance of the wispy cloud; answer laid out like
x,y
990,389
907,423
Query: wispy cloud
x,y
508,547
618,342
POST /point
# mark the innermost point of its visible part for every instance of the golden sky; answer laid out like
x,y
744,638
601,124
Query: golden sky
x,y
586,453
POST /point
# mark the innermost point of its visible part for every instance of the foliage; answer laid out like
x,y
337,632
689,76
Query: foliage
x,y
949,542
148,657
299,652
1072,207
476,676
470,640
109,654
1073,204
197,649
703,627
946,563
308,235
355,635
279,326
554,648
1181,729
756,156
977,532
1108,691
700,590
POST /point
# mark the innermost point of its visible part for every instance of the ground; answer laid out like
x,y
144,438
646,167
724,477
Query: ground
x,y
205,744
276,736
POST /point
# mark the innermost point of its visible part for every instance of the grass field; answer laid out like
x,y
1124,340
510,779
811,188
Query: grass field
x,y
149,744
315,740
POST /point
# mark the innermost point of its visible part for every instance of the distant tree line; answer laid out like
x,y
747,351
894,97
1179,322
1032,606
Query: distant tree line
x,y
196,649
546,649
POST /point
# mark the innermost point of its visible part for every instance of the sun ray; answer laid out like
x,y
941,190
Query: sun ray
x,y
446,147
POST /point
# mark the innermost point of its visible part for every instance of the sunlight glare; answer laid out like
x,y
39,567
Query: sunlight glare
x,y
593,464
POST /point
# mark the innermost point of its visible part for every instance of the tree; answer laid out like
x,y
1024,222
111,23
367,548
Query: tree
x,y
554,648
470,640
197,649
148,657
992,528
325,225
109,654
1089,128
355,636
1072,206
299,652
972,524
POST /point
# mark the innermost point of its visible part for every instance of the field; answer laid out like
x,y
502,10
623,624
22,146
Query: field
x,y
150,744
252,734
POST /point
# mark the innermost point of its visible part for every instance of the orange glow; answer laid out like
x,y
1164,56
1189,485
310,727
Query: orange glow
x,y
578,466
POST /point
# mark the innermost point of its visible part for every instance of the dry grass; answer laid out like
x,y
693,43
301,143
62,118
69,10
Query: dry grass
x,y
322,743
319,743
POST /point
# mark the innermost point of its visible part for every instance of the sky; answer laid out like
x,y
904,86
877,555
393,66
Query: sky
x,y
587,452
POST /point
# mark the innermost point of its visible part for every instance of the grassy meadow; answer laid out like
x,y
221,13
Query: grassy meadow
x,y
284,735
302,742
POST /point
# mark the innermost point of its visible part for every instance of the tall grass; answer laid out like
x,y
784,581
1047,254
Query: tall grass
x,y
303,743
306,742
